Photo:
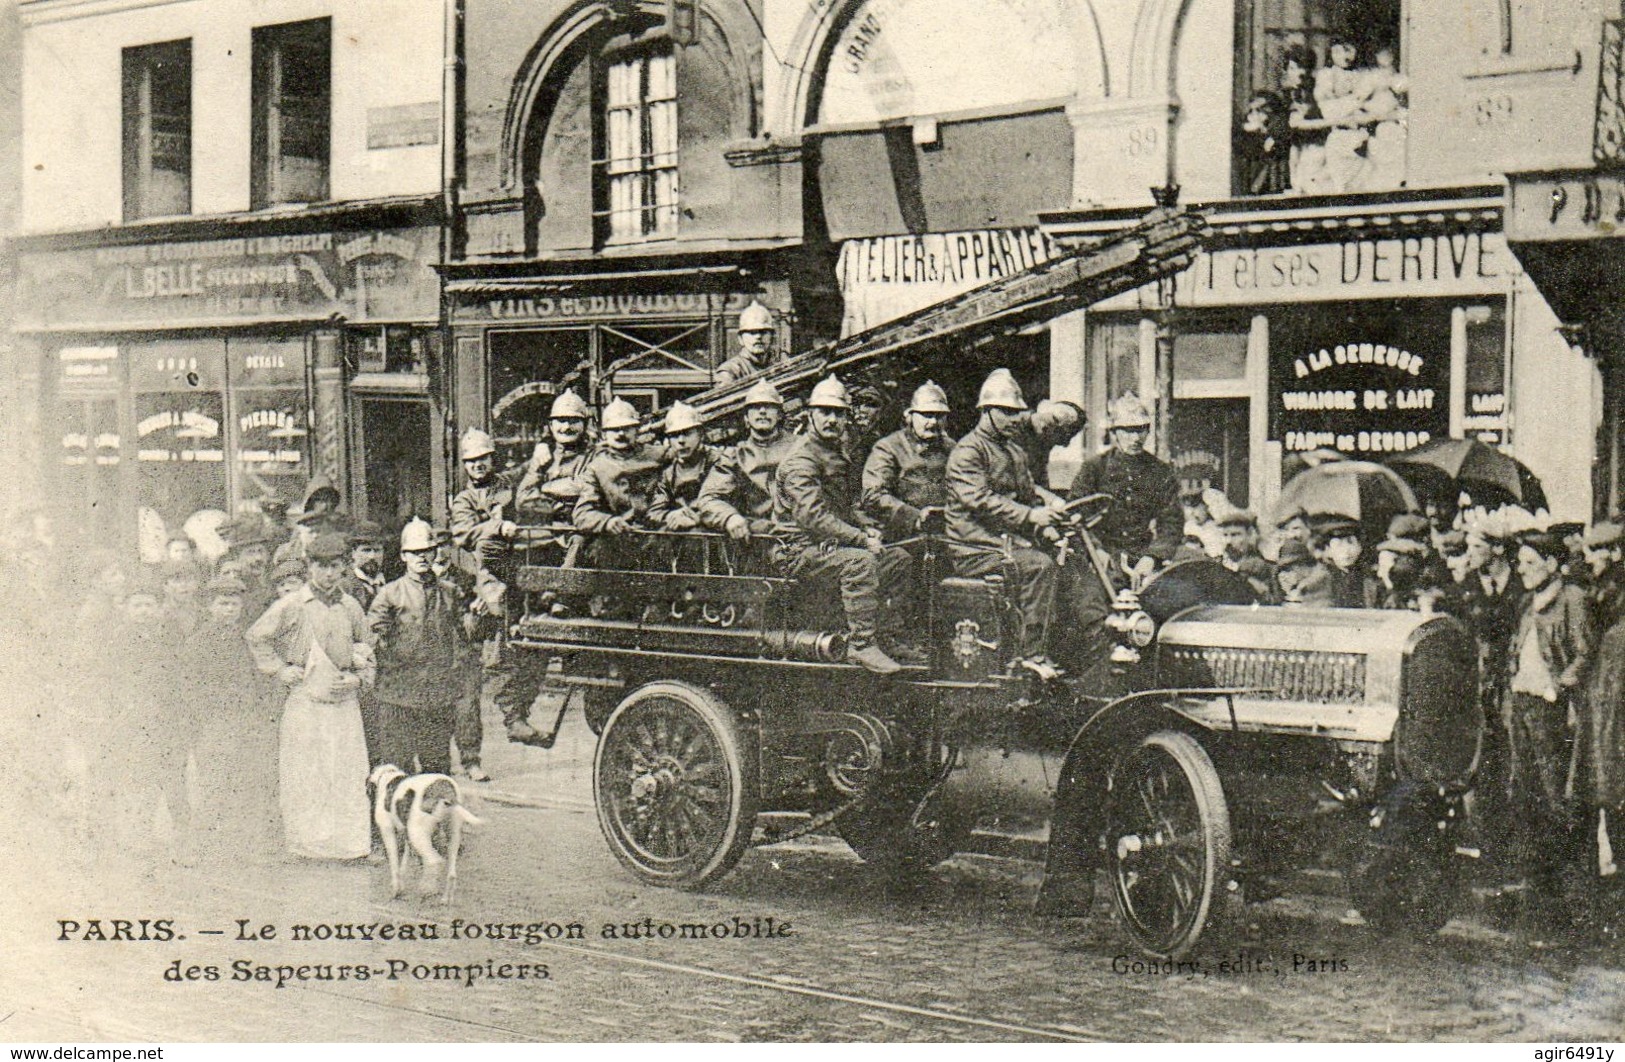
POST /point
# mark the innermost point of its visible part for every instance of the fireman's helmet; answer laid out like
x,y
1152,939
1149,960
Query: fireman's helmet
x,y
756,318
569,405
1128,412
417,536
681,417
1000,389
621,414
929,398
830,394
476,443
764,394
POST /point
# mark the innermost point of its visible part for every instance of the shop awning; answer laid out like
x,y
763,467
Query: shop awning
x,y
489,288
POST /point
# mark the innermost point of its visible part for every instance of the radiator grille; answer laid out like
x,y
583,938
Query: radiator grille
x,y
1283,674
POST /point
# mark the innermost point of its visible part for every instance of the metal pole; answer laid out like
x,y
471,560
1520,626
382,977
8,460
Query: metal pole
x,y
1166,197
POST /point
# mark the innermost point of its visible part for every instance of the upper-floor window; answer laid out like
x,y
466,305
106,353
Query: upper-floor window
x,y
293,99
158,130
1322,99
637,182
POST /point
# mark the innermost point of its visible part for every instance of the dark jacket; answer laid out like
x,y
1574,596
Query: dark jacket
x,y
538,500
418,631
741,483
812,496
616,484
990,491
679,485
1146,489
901,477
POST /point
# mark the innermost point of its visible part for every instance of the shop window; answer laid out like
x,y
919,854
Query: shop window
x,y
637,167
292,100
1485,417
158,130
1321,99
1206,355
527,370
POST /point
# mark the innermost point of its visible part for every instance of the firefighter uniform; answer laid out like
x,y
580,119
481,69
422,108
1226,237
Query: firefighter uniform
x,y
991,501
827,542
1146,489
618,485
755,319
678,488
741,483
905,474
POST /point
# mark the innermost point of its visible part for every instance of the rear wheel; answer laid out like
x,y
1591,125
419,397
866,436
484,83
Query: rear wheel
x,y
675,786
1167,843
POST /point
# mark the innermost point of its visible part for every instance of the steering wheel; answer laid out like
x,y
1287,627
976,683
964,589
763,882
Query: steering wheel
x,y
1090,509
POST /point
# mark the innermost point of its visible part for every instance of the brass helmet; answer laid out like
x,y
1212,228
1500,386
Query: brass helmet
x,y
764,394
830,394
929,398
1000,389
621,414
681,417
476,443
417,536
569,404
756,318
1128,412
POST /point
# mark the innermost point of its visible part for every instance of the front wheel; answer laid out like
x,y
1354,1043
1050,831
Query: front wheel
x,y
674,783
1167,843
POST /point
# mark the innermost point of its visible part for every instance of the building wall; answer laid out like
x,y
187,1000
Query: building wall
x,y
386,53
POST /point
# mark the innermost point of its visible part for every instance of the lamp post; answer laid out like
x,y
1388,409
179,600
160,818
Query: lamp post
x,y
1166,197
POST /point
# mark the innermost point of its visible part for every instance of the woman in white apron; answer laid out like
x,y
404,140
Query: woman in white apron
x,y
316,643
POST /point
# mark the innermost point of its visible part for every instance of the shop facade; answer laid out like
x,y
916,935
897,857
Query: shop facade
x,y
206,368
1366,328
650,338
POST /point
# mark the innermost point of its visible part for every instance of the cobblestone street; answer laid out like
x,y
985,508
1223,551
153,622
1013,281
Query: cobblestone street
x,y
959,958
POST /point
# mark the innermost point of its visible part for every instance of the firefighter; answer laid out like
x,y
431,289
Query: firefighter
x,y
755,347
737,496
688,462
617,487
827,543
995,514
482,525
1146,489
904,477
549,490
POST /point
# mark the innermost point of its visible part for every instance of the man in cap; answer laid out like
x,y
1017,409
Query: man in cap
x,y
1146,489
755,347
737,496
366,575
829,542
482,524
1239,528
864,430
317,644
1336,542
688,462
1604,545
1301,578
904,478
617,487
1054,422
415,621
995,514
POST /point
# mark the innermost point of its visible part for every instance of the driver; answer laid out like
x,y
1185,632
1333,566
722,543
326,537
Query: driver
x,y
995,513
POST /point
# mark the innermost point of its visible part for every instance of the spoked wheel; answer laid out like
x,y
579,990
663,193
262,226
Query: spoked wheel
x,y
1167,843
674,782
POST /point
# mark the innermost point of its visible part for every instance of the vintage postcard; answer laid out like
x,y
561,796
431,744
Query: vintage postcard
x,y
813,520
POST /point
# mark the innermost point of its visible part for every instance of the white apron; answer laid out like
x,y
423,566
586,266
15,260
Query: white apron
x,y
324,766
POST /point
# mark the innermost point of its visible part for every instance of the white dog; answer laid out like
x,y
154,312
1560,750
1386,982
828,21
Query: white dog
x,y
413,808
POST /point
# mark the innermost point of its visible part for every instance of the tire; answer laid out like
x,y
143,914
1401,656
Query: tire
x,y
1168,844
674,781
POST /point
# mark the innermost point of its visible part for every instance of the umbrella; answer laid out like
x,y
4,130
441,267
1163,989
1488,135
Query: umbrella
x,y
1364,491
1486,473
